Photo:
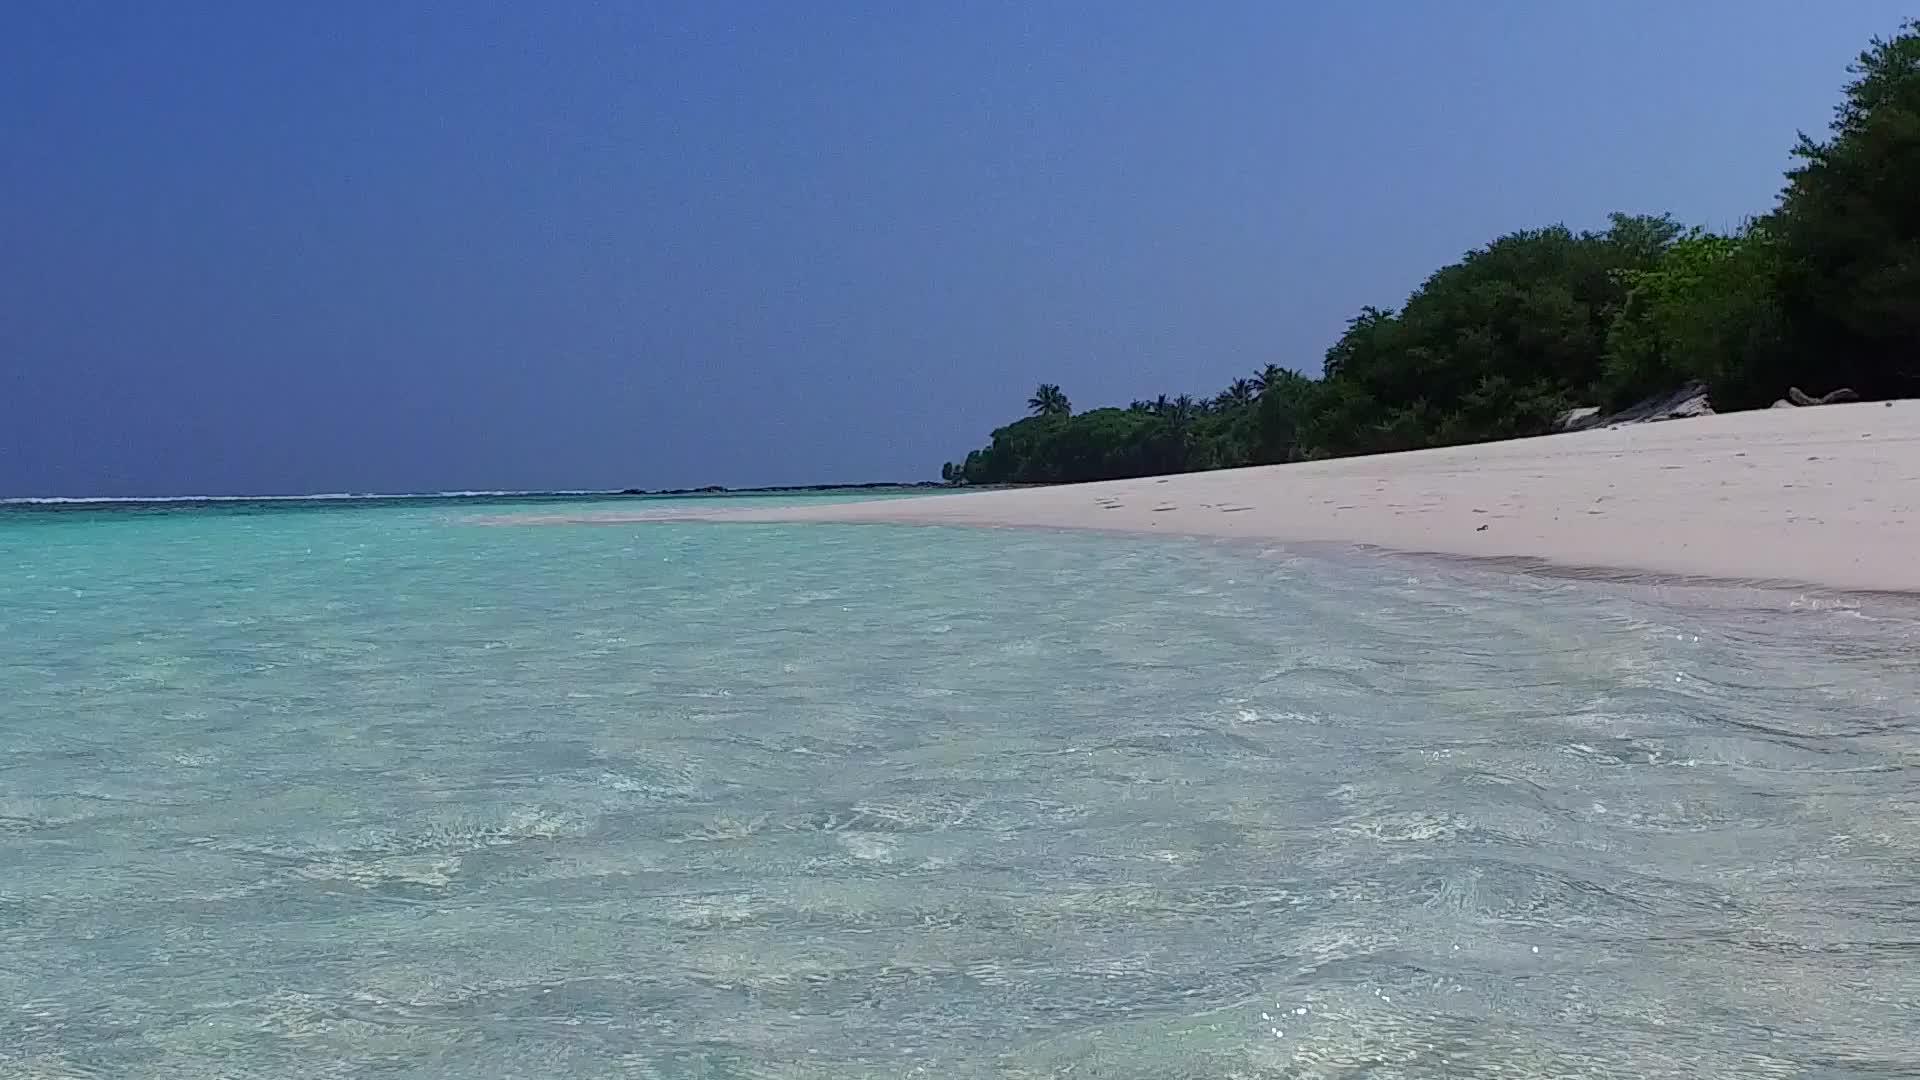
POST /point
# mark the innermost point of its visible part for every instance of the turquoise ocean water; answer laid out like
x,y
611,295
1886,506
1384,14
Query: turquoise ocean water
x,y
384,791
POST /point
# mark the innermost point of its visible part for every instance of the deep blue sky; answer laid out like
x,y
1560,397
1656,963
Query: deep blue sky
x,y
275,247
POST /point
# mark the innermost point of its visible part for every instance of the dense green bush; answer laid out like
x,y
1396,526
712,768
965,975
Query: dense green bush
x,y
1822,292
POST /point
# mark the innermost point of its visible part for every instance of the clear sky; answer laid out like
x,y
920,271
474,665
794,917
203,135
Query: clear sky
x,y
262,247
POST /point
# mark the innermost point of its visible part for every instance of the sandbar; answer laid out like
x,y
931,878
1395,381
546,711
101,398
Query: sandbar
x,y
1823,496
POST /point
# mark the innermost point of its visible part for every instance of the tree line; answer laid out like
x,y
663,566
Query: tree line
x,y
1821,292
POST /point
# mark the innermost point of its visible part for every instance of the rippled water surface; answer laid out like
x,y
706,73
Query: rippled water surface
x,y
385,792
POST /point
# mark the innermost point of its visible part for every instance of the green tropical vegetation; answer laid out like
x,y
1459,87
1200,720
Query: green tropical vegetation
x,y
1819,293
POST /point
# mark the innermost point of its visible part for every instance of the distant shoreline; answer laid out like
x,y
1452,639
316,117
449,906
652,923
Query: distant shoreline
x,y
784,489
105,502
1826,497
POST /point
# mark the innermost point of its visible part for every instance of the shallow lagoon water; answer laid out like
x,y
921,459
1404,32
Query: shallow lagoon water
x,y
382,791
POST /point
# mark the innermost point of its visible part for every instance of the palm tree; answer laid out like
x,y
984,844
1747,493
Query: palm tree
x,y
1240,392
1049,401
1269,377
1176,431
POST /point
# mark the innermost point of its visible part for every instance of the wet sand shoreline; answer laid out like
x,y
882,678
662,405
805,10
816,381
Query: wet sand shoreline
x,y
1827,497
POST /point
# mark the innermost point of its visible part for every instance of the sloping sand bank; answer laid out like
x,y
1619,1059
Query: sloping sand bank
x,y
1825,496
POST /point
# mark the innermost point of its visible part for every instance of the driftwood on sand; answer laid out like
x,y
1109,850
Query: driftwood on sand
x,y
1690,400
1797,396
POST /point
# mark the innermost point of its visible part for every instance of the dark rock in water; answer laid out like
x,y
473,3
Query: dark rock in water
x,y
1833,397
710,489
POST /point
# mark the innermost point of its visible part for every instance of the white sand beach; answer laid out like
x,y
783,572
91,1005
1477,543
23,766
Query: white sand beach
x,y
1826,496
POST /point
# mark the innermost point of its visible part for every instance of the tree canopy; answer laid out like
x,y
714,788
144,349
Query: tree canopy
x,y
1049,401
1822,291
1849,229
